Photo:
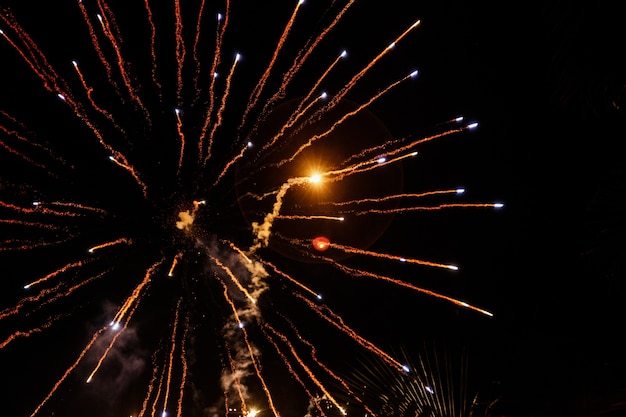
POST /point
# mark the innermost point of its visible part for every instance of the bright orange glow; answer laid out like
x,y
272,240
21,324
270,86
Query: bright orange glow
x,y
321,243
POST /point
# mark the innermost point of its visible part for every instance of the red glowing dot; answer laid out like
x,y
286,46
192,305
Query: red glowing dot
x,y
321,243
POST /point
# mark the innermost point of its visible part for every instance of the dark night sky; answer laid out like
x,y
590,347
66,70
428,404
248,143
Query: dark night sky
x,y
546,85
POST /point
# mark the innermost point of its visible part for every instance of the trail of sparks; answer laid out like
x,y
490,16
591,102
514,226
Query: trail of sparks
x,y
27,333
68,371
152,46
392,197
311,217
63,269
426,208
258,89
234,279
183,360
231,163
180,52
89,91
171,359
137,293
119,241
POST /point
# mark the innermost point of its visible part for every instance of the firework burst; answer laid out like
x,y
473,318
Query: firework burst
x,y
173,191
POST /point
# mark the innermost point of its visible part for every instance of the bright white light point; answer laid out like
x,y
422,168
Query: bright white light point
x,y
402,260
315,178
344,53
215,75
472,125
250,144
413,153
498,205
36,203
301,2
453,267
219,17
61,96
90,250
413,74
112,158
323,95
464,304
75,63
237,57
460,190
240,325
391,45
1,32
99,17
416,23
252,413
405,368
163,414
177,111
342,219
318,296
429,389
487,313
381,160
88,380
459,119
26,287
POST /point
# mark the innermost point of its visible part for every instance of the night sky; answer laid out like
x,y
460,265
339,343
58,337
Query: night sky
x,y
545,83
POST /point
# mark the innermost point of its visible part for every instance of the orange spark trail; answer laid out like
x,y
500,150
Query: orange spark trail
x,y
391,198
183,359
137,293
240,252
158,393
337,98
426,208
174,263
216,61
15,152
117,335
111,243
171,361
144,406
258,89
230,164
180,52
306,368
343,118
218,122
302,56
196,41
96,46
152,43
28,333
68,371
89,91
313,217
107,21
337,321
292,280
348,249
77,206
358,272
234,279
59,271
237,383
181,135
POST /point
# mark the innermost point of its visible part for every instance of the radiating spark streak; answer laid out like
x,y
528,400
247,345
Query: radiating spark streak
x,y
146,399
89,91
302,56
306,369
231,163
234,279
326,368
111,243
196,42
106,22
37,225
15,152
39,207
240,252
425,208
181,136
313,217
158,393
348,249
359,272
20,334
287,363
120,160
391,197
68,371
341,94
96,46
112,342
220,110
175,261
237,382
297,114
180,51
289,278
216,61
183,360
152,46
258,89
57,272
342,119
137,293
76,206
171,359
253,358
